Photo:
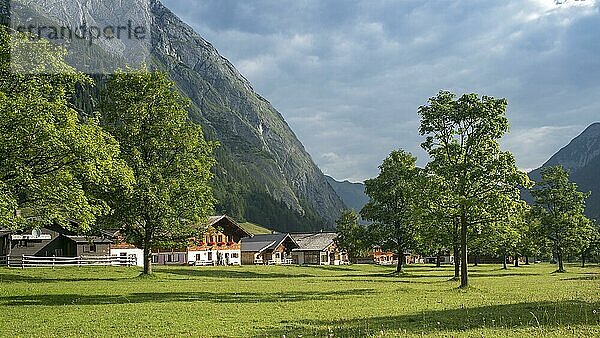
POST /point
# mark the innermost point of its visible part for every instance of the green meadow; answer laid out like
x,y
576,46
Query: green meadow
x,y
276,301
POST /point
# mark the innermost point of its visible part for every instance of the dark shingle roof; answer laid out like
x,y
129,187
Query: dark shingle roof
x,y
86,239
314,242
212,220
261,243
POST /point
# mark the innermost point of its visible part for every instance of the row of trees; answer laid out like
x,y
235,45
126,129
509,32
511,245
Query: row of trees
x,y
138,163
467,198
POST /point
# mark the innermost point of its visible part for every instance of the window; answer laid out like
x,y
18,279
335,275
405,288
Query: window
x,y
172,258
92,247
220,239
210,256
311,257
198,257
154,258
123,254
58,252
235,255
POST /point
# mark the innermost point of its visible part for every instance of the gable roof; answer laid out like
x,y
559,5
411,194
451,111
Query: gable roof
x,y
88,239
213,220
260,243
315,241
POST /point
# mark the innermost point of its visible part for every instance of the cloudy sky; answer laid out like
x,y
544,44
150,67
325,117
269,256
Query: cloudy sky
x,y
348,76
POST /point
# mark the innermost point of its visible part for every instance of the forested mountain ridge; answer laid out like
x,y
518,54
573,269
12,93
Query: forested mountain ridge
x,y
582,157
263,167
264,174
352,194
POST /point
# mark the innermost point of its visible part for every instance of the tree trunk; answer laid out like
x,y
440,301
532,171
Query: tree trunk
x,y
147,253
438,261
147,260
504,262
464,272
456,261
526,260
476,260
516,261
400,260
456,248
561,267
583,259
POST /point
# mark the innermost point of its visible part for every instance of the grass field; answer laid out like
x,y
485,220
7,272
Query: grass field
x,y
353,301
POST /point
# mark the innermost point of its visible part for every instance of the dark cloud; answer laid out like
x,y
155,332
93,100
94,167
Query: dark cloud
x,y
348,76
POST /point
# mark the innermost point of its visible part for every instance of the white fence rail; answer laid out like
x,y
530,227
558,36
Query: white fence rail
x,y
51,262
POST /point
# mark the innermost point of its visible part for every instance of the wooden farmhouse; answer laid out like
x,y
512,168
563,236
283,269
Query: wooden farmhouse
x,y
384,257
318,249
220,245
51,242
268,249
121,248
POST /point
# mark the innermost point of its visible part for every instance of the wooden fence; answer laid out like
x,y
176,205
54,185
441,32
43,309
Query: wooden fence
x,y
51,262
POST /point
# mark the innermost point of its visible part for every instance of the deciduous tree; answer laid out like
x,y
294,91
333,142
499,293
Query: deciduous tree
x,y
169,156
462,140
394,196
560,206
56,166
352,237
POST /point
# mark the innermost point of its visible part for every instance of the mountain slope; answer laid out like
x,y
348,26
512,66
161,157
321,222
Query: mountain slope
x,y
352,194
582,157
264,174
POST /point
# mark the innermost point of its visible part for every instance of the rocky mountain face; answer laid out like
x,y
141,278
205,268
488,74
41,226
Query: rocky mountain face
x,y
353,194
264,174
582,157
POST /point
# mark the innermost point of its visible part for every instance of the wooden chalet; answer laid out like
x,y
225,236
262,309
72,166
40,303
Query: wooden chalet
x,y
220,244
268,249
318,249
51,242
384,257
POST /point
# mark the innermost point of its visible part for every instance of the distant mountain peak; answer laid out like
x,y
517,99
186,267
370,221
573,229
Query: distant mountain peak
x,y
352,194
582,157
580,151
263,172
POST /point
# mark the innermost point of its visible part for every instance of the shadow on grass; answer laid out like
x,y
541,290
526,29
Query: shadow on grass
x,y
588,277
506,274
15,278
225,273
173,297
508,316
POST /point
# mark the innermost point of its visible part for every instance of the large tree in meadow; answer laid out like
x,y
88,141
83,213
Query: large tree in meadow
x,y
462,140
560,207
170,159
394,196
439,229
56,165
351,236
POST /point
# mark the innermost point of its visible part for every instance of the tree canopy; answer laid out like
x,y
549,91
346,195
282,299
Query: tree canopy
x,y
394,195
560,207
56,165
170,159
481,180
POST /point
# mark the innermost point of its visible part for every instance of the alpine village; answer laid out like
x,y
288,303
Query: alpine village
x,y
148,189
